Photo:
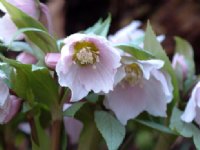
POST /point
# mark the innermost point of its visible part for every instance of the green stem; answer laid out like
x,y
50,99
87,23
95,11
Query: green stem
x,y
165,142
56,127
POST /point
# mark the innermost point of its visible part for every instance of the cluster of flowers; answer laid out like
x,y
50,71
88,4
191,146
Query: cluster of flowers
x,y
92,63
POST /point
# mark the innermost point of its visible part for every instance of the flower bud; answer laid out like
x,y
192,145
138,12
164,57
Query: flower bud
x,y
26,58
51,59
180,66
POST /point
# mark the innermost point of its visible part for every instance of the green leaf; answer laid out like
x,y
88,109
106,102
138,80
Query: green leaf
x,y
41,37
42,137
135,51
92,97
100,28
153,46
184,48
33,81
90,137
156,126
184,129
111,129
72,110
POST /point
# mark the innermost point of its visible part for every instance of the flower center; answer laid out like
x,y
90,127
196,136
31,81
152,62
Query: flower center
x,y
133,74
85,53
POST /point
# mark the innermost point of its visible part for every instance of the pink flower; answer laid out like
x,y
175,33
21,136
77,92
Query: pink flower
x,y
26,58
131,33
192,110
9,104
87,63
141,86
179,64
127,34
8,28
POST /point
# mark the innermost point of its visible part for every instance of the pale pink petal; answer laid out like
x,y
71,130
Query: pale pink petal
x,y
14,107
127,34
45,17
25,127
197,118
192,106
4,111
26,58
190,111
165,81
4,93
70,79
154,95
148,66
8,29
27,6
99,79
179,62
120,74
51,59
73,128
126,102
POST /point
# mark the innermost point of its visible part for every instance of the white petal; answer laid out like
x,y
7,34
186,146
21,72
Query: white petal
x,y
197,118
4,93
165,81
156,100
126,102
191,108
71,79
148,66
99,79
8,29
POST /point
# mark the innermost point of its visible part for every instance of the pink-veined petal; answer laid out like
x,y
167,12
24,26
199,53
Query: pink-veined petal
x,y
126,102
156,100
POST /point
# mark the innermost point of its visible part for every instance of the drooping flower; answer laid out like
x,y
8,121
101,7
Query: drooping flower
x,y
141,86
9,104
180,65
87,63
128,33
8,28
131,34
192,110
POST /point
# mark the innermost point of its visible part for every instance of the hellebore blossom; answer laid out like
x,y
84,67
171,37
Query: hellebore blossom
x,y
87,63
9,104
141,86
128,33
131,34
180,65
192,110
